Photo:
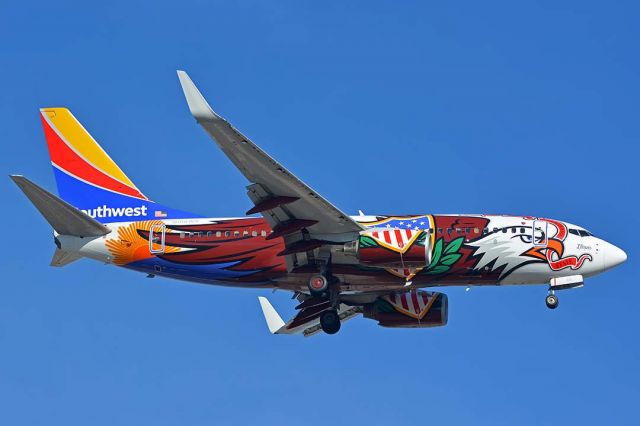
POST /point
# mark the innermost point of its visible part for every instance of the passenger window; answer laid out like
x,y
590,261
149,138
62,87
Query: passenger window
x,y
459,230
504,230
236,233
227,233
513,230
439,230
263,233
522,230
476,230
209,234
495,229
485,231
218,234
449,231
245,233
467,230
181,234
254,234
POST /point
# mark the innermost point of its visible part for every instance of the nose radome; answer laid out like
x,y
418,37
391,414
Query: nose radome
x,y
614,256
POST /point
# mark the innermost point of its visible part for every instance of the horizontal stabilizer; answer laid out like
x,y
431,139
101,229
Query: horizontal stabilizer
x,y
63,258
63,217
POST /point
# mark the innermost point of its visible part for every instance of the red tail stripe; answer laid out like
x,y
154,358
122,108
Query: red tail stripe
x,y
65,158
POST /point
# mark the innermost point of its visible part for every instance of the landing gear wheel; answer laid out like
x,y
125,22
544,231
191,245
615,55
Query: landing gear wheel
x,y
330,321
551,301
318,284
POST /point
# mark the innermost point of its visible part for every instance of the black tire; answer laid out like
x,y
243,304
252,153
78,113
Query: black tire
x,y
330,321
551,301
318,284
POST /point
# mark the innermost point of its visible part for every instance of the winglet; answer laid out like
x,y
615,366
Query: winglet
x,y
274,321
198,106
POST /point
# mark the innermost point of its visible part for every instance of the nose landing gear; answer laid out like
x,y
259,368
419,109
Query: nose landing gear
x,y
551,300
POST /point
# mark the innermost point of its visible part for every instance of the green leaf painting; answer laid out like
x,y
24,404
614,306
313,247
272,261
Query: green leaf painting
x,y
454,246
437,252
367,242
443,258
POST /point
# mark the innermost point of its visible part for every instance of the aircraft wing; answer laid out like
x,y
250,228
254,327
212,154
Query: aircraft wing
x,y
307,320
293,210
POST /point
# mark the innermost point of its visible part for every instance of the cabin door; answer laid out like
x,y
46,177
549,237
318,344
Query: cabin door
x,y
156,239
539,236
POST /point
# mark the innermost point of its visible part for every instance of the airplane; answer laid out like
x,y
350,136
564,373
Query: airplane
x,y
380,267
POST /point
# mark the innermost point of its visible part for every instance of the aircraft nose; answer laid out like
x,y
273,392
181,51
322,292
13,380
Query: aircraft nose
x,y
614,256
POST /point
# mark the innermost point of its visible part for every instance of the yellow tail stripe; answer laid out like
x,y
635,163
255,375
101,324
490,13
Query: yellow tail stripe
x,y
81,141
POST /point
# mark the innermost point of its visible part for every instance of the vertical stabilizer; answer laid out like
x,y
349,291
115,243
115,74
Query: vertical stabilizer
x,y
89,179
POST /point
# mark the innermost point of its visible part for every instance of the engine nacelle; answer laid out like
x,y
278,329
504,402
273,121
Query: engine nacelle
x,y
392,248
413,309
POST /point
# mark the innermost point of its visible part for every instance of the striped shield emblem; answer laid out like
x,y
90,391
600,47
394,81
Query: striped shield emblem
x,y
395,239
413,303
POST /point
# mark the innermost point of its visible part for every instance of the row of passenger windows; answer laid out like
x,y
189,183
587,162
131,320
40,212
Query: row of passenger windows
x,y
514,230
485,231
220,234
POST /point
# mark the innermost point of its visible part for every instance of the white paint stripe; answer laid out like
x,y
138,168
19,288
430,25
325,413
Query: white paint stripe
x,y
394,241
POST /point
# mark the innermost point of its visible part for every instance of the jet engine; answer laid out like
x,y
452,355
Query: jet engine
x,y
392,248
412,309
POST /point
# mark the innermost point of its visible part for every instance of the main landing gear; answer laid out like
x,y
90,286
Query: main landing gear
x,y
551,300
330,321
323,285
318,284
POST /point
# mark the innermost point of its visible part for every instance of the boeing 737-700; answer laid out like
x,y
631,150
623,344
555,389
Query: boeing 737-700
x,y
337,266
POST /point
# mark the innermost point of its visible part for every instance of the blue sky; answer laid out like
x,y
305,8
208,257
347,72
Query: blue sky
x,y
388,107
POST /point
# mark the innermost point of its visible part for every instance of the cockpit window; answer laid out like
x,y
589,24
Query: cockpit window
x,y
574,231
584,233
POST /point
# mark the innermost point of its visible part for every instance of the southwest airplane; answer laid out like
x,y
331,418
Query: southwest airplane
x,y
337,266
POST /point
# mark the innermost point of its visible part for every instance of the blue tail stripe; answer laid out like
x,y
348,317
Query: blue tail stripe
x,y
106,206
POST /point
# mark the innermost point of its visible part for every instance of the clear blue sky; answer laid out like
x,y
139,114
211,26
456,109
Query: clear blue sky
x,y
389,107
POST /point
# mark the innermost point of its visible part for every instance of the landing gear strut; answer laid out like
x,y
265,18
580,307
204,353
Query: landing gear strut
x,y
551,300
324,285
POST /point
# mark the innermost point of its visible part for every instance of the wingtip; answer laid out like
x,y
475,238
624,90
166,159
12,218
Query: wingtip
x,y
274,321
198,105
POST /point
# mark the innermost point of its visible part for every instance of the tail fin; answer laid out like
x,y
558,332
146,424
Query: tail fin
x,y
89,179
